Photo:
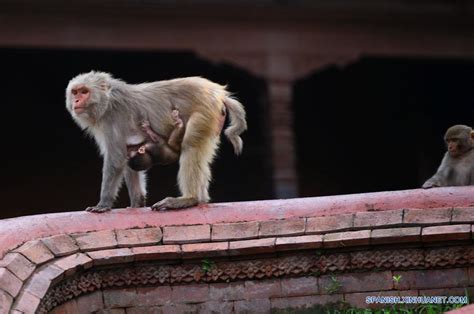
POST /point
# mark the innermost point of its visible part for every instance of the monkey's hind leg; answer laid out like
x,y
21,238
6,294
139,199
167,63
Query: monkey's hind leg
x,y
175,202
194,175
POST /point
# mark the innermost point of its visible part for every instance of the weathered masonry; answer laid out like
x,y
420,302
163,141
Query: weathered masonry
x,y
236,257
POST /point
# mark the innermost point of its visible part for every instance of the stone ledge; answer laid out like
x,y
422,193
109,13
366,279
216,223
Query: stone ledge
x,y
15,231
327,225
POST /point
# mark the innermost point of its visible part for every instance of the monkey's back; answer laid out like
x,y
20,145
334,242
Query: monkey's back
x,y
188,95
190,91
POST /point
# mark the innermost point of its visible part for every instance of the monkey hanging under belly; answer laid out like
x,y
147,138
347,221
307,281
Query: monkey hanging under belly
x,y
156,149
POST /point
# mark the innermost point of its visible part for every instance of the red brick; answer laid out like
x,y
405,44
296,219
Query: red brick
x,y
378,218
116,298
443,292
299,243
9,282
471,275
114,256
90,302
252,246
144,310
433,279
156,252
299,286
186,234
283,227
297,304
227,291
70,264
69,307
463,215
18,265
262,289
358,299
98,240
324,224
252,306
138,237
6,302
396,235
190,293
42,279
111,311
199,250
446,233
149,296
61,245
349,238
26,302
427,216
58,310
234,231
180,308
356,282
216,307
36,252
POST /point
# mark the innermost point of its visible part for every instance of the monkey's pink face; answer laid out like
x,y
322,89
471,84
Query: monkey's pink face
x,y
80,95
456,147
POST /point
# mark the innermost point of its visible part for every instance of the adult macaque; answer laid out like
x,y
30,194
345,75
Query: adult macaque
x,y
156,149
457,166
111,111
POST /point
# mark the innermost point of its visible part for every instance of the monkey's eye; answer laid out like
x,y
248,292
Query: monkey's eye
x,y
74,92
84,91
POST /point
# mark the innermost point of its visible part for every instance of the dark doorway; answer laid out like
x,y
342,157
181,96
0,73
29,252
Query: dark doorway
x,y
48,163
377,125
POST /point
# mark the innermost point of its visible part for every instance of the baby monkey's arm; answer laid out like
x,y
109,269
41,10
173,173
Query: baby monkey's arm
x,y
155,137
176,136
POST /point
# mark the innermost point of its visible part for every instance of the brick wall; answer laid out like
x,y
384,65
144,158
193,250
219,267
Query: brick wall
x,y
228,258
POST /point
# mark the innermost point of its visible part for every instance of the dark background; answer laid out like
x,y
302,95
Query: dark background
x,y
374,125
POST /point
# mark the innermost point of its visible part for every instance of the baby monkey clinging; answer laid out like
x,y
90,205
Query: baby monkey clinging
x,y
156,149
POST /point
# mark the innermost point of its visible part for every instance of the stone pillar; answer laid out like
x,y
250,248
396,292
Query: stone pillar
x,y
279,75
281,71
285,179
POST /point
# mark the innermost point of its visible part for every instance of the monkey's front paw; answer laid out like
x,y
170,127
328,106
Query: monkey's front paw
x,y
430,186
98,209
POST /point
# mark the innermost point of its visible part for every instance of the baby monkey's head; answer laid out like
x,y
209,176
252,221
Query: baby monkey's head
x,y
140,159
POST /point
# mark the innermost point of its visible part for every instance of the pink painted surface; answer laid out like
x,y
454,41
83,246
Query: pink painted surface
x,y
16,231
468,309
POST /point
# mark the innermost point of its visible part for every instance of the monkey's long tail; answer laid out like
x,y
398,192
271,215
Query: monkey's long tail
x,y
238,124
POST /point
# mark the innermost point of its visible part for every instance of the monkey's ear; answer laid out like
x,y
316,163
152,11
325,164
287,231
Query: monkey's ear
x,y
104,86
